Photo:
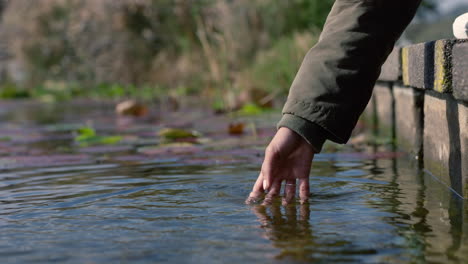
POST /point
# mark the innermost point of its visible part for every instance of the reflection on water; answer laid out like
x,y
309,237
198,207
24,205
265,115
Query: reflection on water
x,y
360,211
379,212
289,231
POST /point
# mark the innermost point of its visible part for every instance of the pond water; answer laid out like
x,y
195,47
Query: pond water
x,y
107,204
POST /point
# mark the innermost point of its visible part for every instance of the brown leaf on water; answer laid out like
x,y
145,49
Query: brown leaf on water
x,y
236,128
131,107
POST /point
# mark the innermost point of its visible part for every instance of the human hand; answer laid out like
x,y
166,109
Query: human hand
x,y
288,157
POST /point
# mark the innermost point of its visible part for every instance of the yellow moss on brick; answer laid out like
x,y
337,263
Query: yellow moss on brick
x,y
442,78
405,65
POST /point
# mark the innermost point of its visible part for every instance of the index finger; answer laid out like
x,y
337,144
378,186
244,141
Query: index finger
x,y
257,191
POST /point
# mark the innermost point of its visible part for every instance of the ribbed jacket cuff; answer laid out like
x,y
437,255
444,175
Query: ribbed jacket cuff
x,y
312,133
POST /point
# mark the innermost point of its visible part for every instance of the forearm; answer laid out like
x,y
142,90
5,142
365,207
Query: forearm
x,y
335,80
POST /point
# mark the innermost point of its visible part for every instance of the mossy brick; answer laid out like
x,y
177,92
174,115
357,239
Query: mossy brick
x,y
391,69
409,107
445,139
460,71
443,65
384,102
417,62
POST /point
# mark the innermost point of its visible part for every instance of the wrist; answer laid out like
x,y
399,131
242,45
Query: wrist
x,y
308,131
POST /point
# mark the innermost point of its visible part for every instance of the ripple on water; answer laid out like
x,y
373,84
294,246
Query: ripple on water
x,y
360,211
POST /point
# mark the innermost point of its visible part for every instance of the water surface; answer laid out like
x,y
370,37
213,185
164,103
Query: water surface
x,y
105,205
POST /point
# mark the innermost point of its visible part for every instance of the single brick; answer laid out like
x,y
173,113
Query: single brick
x,y
391,69
384,103
418,65
444,59
409,107
443,65
444,135
460,71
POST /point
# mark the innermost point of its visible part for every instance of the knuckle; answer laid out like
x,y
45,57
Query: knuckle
x,y
272,152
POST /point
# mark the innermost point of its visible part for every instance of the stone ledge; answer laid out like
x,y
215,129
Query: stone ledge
x,y
429,65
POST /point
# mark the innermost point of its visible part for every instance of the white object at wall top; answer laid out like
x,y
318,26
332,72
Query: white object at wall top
x,y
460,27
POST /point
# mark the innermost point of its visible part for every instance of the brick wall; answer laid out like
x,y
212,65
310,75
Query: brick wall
x,y
421,98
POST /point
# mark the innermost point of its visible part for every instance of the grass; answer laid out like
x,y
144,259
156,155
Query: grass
x,y
12,91
271,71
52,91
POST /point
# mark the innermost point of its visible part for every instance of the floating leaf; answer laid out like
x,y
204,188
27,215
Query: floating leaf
x,y
236,128
86,132
110,139
176,133
87,136
131,107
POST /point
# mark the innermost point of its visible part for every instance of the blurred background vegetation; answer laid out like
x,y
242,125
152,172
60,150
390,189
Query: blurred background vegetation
x,y
232,52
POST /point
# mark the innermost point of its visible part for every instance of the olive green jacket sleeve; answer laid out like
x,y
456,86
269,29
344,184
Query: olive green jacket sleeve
x,y
336,78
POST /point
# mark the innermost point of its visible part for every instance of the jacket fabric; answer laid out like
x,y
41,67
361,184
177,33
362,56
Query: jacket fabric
x,y
336,78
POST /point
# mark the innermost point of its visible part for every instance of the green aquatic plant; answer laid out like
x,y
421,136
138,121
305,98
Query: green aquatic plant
x,y
87,135
176,133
